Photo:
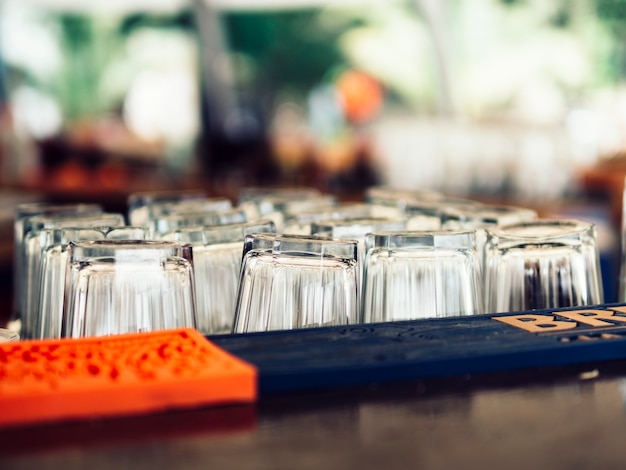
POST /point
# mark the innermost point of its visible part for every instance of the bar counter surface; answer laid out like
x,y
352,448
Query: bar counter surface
x,y
570,417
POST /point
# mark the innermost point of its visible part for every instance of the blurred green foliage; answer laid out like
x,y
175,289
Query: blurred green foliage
x,y
289,48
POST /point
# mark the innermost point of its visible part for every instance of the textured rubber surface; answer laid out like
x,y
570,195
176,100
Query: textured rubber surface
x,y
64,379
444,347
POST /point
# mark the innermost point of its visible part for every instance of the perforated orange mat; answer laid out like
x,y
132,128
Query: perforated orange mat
x,y
118,375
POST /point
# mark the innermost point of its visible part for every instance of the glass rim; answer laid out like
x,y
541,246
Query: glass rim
x,y
217,234
41,208
248,193
549,229
198,215
190,206
401,194
130,250
287,244
103,219
303,238
165,195
464,238
141,244
487,214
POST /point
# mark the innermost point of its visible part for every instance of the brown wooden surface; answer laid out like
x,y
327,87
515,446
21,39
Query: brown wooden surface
x,y
572,418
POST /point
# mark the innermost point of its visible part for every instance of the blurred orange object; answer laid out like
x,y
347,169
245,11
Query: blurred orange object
x,y
71,175
67,379
361,94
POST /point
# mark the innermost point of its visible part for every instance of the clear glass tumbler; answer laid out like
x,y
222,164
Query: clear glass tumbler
x,y
412,275
547,263
290,282
128,286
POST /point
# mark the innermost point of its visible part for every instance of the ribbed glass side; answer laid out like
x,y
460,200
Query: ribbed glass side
x,y
296,291
106,297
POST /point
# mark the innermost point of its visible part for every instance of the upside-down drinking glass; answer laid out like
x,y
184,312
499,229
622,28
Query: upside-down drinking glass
x,y
290,282
547,263
412,275
128,286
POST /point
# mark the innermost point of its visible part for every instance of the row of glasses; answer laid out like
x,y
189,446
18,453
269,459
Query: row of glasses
x,y
277,206
548,253
200,261
215,230
142,205
453,261
50,247
217,253
23,213
308,274
299,222
34,242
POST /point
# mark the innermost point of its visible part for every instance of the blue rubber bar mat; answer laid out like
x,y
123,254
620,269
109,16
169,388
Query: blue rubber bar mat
x,y
383,352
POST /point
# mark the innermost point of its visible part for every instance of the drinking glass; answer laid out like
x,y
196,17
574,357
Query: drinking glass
x,y
412,275
437,208
291,281
140,204
547,263
55,243
485,215
128,286
398,197
188,207
165,224
217,255
32,244
299,222
23,212
277,207
253,193
356,227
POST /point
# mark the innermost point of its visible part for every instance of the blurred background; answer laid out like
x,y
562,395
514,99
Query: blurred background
x,y
510,101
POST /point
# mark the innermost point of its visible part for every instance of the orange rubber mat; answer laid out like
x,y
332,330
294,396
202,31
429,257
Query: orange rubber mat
x,y
50,380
